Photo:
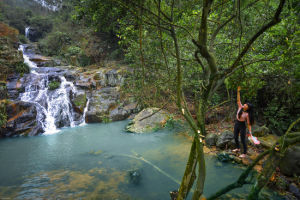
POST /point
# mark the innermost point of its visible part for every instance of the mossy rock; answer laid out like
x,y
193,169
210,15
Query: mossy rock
x,y
53,85
268,141
148,120
80,102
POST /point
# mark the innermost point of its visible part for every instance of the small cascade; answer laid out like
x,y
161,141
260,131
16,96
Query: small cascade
x,y
54,107
53,5
84,113
27,29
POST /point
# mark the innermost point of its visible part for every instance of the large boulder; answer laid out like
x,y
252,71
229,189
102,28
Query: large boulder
x,y
21,120
290,164
148,120
225,140
211,139
118,114
101,102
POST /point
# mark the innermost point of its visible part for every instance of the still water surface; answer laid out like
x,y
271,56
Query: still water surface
x,y
94,162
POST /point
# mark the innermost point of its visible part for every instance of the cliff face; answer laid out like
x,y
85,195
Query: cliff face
x,y
10,57
15,117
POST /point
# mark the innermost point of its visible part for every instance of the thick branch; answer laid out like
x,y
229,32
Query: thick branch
x,y
273,22
242,179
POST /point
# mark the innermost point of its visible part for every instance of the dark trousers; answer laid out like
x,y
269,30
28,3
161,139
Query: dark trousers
x,y
240,127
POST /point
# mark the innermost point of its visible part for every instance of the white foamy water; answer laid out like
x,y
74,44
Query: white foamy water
x,y
27,32
84,113
54,107
54,6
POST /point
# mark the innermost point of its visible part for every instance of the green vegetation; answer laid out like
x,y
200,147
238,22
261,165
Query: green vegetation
x,y
105,119
53,85
80,100
22,68
191,55
54,42
194,54
3,114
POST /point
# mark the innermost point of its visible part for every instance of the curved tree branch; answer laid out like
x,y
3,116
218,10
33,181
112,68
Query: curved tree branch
x,y
275,20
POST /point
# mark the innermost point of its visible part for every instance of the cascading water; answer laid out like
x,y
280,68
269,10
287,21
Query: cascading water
x,y
27,29
53,5
54,107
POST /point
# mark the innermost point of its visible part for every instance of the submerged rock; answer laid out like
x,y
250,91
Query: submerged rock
x,y
225,157
135,176
148,120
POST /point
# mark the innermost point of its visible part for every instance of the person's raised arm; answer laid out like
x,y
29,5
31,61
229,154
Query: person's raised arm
x,y
239,97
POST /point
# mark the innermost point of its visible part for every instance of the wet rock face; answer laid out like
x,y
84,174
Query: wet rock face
x,y
109,77
290,164
21,120
147,120
100,104
79,102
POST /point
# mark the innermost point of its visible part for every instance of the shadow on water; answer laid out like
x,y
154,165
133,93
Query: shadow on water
x,y
101,161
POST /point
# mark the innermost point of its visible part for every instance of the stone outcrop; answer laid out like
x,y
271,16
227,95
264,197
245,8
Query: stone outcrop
x,y
225,140
102,89
148,120
21,120
211,139
290,164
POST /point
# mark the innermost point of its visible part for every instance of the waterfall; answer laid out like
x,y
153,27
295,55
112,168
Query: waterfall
x,y
84,113
54,107
53,5
27,29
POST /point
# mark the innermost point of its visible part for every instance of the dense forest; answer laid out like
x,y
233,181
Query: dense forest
x,y
185,57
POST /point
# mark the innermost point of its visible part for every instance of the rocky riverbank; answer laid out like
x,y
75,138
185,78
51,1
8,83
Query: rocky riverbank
x,y
55,95
220,142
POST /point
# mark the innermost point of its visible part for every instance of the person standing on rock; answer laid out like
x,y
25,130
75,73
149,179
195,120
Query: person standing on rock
x,y
244,114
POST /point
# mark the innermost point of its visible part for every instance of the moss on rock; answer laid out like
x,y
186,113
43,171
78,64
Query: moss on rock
x,y
80,102
53,85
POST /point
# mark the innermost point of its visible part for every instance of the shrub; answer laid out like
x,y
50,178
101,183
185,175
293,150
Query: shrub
x,y
22,68
73,50
53,85
41,25
3,115
54,42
